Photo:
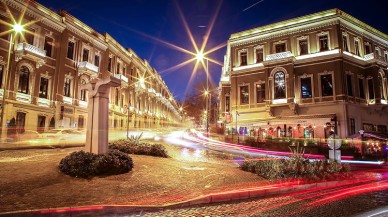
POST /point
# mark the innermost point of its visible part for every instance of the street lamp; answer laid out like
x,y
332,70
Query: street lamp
x,y
17,28
200,56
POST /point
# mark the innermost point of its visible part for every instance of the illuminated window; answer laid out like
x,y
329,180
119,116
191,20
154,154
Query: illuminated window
x,y
24,77
306,90
349,84
43,88
327,85
48,46
361,88
323,43
244,95
260,93
70,50
279,85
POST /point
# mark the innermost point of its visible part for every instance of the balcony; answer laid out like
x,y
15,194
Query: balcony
x,y
370,58
123,79
140,88
68,100
88,69
22,97
43,102
28,51
279,56
83,104
152,91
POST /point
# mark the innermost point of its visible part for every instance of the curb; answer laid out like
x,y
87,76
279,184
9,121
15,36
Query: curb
x,y
39,147
201,200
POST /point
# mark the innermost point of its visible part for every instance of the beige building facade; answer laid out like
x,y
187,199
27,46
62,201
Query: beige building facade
x,y
56,55
305,77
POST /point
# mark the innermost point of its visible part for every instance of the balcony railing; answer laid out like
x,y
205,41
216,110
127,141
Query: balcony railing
x,y
370,56
152,91
67,100
31,48
278,56
122,77
83,103
22,97
88,66
43,102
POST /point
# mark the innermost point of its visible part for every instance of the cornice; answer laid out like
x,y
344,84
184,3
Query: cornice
x,y
363,32
99,44
39,13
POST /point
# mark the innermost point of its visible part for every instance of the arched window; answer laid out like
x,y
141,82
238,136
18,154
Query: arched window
x,y
24,77
279,85
83,92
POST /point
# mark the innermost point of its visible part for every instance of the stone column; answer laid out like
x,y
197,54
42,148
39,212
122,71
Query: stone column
x,y
98,114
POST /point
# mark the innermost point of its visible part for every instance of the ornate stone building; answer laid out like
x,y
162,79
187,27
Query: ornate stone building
x,y
56,55
306,76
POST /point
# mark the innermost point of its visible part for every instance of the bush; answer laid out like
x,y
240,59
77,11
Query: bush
x,y
86,165
126,146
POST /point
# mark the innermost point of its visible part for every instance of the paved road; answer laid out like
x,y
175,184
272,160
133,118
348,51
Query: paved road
x,y
340,201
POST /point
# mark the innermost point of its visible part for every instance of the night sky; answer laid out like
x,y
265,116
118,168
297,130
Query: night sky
x,y
127,20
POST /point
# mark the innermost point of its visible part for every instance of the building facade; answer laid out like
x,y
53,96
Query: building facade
x,y
305,77
56,54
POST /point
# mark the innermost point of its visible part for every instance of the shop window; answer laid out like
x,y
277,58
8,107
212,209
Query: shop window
x,y
306,89
327,85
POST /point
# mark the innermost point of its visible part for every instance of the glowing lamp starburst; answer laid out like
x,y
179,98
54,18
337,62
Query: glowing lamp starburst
x,y
200,56
18,28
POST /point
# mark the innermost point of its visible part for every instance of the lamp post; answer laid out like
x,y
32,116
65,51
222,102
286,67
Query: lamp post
x,y
200,56
16,28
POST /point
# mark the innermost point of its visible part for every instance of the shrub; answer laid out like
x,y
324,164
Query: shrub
x,y
127,146
86,165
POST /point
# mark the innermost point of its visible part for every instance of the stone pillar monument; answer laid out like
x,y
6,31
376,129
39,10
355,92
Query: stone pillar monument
x,y
98,113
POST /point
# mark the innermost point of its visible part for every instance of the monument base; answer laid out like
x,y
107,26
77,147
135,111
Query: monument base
x,y
335,156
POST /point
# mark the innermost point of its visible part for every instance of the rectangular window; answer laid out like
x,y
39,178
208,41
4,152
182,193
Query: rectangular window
x,y
357,48
110,64
367,49
97,60
382,128
349,85
66,88
41,123
227,103
243,58
81,121
43,89
361,88
259,55
85,55
20,122
48,46
1,75
244,95
323,43
303,47
118,68
368,127
70,50
279,48
306,89
30,36
370,89
345,43
352,126
260,93
327,85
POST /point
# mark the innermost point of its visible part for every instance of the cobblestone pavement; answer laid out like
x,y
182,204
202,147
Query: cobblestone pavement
x,y
331,202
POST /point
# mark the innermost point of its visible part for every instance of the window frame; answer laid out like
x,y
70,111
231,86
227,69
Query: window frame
x,y
275,86
41,94
279,43
371,101
347,75
227,105
69,84
302,38
27,83
67,52
325,33
357,48
51,52
240,56
239,93
331,73
260,82
305,76
83,54
347,44
255,49
361,88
